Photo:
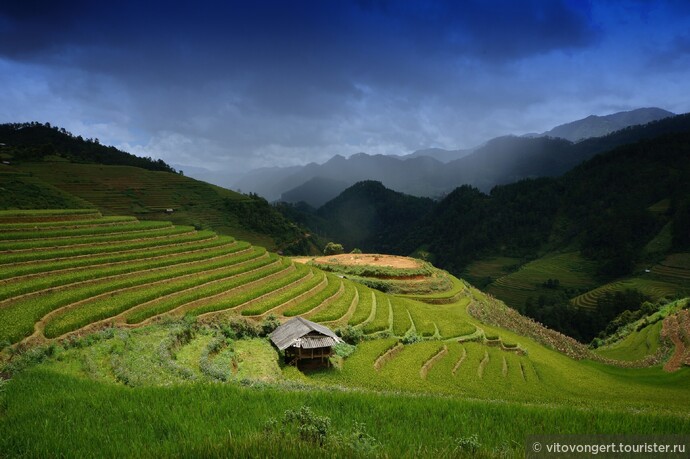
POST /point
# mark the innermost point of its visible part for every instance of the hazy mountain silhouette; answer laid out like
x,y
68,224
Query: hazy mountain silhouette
x,y
597,126
440,154
316,191
501,160
415,176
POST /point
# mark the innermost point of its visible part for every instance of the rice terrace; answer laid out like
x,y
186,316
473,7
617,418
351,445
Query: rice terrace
x,y
131,312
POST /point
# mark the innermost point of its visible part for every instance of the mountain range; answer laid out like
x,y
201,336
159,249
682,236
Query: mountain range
x,y
435,172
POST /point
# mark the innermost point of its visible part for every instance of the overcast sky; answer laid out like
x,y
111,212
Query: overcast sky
x,y
235,85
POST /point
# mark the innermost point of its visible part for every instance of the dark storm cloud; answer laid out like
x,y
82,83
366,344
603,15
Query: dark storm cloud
x,y
301,80
298,37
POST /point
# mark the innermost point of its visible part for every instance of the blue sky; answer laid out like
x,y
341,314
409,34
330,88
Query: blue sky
x,y
229,86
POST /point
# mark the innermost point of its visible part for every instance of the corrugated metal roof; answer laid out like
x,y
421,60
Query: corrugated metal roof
x,y
313,342
295,329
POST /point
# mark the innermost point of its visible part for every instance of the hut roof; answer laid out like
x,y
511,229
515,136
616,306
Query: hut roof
x,y
299,332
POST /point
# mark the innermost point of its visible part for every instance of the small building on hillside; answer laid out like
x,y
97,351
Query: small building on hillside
x,y
305,342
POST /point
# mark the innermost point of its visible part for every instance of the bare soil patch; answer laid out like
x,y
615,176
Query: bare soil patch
x,y
675,328
369,259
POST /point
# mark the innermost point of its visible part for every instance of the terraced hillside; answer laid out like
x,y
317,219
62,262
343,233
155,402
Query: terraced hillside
x,y
669,278
72,271
67,271
571,274
90,304
569,269
125,190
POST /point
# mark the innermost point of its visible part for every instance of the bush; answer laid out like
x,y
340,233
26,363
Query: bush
x,y
356,250
468,444
240,328
359,440
309,427
269,324
333,249
350,334
344,350
596,343
411,337
25,358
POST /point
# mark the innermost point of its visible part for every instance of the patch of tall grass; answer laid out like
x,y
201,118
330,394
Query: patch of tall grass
x,y
47,414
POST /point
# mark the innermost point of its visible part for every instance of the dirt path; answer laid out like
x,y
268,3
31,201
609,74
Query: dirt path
x,y
482,365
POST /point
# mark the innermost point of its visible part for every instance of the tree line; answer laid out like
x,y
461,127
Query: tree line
x,y
33,141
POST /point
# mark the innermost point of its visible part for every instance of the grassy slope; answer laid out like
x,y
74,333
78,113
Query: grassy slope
x,y
125,190
636,345
42,409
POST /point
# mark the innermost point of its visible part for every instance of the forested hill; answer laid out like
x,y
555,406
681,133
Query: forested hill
x,y
371,217
609,207
34,141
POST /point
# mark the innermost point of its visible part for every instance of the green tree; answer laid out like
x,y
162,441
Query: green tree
x,y
333,249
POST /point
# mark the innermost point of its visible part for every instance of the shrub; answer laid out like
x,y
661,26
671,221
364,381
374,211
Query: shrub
x,y
350,334
309,426
359,440
356,250
333,249
469,444
411,337
25,358
344,350
238,328
269,324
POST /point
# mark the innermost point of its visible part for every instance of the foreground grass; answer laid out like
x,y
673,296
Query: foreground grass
x,y
43,413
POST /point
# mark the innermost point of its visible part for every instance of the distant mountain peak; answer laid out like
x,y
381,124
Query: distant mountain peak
x,y
598,126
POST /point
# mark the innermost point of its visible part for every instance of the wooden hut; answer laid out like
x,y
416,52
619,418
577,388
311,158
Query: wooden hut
x,y
305,341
